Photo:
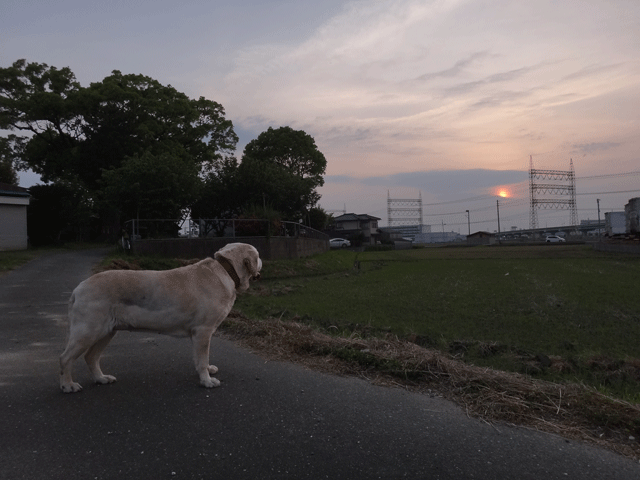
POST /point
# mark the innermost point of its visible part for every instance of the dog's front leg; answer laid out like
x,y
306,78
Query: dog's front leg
x,y
201,340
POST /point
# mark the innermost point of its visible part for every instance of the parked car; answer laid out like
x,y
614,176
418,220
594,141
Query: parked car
x,y
554,239
339,243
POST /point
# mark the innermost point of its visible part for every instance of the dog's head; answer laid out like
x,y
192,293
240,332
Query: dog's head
x,y
245,260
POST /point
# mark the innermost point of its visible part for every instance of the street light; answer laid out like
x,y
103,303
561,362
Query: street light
x,y
468,221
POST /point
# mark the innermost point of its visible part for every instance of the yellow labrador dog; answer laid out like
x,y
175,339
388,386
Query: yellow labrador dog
x,y
189,301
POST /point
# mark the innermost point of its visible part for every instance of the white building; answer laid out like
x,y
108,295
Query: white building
x,y
438,237
632,216
13,217
614,223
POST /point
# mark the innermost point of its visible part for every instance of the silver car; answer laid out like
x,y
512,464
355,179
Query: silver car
x,y
339,243
554,239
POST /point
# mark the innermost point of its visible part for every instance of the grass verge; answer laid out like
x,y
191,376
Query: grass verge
x,y
13,259
573,411
10,260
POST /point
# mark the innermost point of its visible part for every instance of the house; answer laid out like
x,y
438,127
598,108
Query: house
x,y
479,238
356,227
13,217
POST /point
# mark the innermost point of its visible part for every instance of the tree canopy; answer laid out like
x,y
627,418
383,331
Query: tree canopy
x,y
282,168
7,171
97,136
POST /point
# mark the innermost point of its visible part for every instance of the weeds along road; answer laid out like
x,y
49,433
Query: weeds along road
x,y
268,420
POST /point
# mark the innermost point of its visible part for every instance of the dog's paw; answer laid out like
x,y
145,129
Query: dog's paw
x,y
72,387
104,379
210,382
213,369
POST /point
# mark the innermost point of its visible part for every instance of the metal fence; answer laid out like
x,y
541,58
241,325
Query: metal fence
x,y
217,227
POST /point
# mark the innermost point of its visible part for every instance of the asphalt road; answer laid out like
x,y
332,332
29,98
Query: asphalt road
x,y
268,420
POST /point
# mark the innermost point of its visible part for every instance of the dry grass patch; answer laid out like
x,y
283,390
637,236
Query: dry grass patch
x,y
570,410
141,263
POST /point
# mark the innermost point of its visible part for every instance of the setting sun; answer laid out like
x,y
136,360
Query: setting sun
x,y
502,192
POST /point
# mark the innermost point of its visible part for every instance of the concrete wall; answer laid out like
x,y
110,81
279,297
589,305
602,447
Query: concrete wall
x,y
402,245
272,248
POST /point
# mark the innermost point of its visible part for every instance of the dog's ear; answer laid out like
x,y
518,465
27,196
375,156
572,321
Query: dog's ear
x,y
245,260
253,267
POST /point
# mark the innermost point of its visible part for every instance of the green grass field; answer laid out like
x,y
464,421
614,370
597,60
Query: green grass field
x,y
560,312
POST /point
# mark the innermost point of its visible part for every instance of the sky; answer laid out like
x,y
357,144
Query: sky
x,y
443,100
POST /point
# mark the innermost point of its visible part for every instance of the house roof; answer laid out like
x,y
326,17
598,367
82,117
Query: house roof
x,y
9,190
349,217
481,234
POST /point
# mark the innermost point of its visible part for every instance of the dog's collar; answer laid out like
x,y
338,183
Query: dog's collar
x,y
226,264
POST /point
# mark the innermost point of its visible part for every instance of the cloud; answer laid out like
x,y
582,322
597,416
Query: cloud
x,y
593,70
339,179
594,147
439,181
505,84
457,69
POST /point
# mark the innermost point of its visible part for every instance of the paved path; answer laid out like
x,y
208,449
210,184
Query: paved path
x,y
268,420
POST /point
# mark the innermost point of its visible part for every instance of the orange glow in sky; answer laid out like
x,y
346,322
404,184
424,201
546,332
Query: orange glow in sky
x,y
502,192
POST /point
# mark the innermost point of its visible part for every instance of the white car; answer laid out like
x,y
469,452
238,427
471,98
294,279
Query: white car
x,y
339,243
554,239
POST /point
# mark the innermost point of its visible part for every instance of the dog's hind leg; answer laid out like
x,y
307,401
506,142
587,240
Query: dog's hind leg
x,y
92,357
71,353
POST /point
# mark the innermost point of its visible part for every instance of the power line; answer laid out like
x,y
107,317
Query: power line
x,y
609,175
472,199
607,193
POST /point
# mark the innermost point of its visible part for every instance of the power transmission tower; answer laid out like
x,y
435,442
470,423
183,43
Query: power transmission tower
x,y
405,212
555,182
342,212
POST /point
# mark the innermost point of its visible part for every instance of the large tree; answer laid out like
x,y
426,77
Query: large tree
x,y
282,168
150,187
7,171
221,197
102,135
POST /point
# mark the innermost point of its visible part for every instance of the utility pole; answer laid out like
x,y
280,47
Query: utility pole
x,y
468,221
498,209
598,200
